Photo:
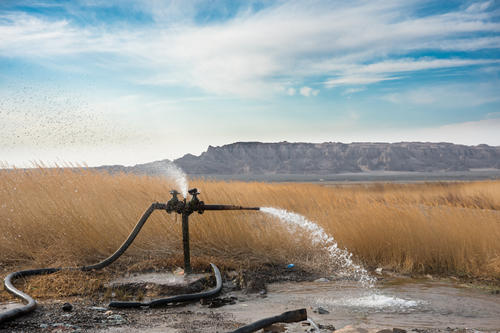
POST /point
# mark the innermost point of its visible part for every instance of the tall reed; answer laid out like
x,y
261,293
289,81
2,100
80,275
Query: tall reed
x,y
72,217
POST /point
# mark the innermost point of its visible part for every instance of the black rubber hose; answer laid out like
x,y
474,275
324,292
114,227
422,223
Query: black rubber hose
x,y
20,311
177,298
109,260
286,317
31,304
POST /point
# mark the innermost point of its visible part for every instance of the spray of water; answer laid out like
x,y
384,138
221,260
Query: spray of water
x,y
179,177
169,170
319,236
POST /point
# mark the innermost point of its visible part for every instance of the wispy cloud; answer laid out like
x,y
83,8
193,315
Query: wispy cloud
x,y
252,53
356,79
446,95
350,91
390,70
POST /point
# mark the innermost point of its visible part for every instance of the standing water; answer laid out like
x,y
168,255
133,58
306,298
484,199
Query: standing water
x,y
319,236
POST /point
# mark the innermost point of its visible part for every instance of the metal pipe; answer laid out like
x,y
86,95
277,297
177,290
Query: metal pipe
x,y
185,243
228,207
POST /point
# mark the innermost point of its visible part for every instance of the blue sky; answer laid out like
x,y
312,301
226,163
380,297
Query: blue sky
x,y
135,81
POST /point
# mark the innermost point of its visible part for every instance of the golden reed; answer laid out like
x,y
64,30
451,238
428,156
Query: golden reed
x,y
68,217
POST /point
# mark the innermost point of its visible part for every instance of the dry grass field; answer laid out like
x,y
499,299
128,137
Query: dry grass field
x,y
63,217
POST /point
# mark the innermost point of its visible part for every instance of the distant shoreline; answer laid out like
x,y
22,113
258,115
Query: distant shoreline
x,y
364,177
332,178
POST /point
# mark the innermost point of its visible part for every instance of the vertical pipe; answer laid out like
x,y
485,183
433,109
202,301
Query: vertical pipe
x,y
185,243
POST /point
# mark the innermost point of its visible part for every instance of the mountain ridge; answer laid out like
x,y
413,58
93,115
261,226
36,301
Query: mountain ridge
x,y
261,158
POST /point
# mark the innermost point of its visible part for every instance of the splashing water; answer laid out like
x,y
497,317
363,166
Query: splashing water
x,y
169,170
373,301
319,236
179,177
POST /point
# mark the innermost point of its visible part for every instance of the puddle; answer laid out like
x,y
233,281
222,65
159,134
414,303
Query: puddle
x,y
412,305
169,279
373,301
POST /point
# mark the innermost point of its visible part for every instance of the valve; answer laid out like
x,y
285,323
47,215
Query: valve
x,y
175,204
195,205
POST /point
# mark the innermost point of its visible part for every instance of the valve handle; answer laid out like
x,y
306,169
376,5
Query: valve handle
x,y
193,191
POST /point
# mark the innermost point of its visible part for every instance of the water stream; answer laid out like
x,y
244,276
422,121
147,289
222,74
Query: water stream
x,y
171,171
409,304
319,236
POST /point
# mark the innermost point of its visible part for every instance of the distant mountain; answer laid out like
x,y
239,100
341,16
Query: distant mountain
x,y
257,158
332,157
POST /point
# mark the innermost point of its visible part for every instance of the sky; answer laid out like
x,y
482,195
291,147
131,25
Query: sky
x,y
125,82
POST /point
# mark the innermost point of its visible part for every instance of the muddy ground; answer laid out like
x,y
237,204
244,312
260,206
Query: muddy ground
x,y
244,299
193,317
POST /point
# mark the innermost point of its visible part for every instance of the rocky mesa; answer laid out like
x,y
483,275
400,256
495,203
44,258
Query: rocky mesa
x,y
257,158
333,157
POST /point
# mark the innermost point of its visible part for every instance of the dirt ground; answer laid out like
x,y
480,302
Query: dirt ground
x,y
244,299
187,318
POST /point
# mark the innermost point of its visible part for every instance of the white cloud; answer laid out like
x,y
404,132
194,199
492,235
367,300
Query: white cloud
x,y
493,115
290,91
479,6
465,44
246,55
356,80
409,65
350,91
308,91
468,133
386,70
449,95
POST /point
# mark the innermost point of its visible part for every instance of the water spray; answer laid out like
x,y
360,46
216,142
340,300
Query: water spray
x,y
319,236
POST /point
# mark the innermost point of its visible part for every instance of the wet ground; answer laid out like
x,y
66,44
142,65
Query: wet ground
x,y
419,306
431,305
